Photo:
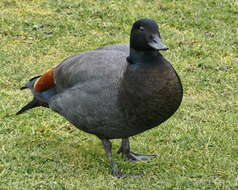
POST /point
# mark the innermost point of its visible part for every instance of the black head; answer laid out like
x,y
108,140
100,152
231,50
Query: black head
x,y
145,36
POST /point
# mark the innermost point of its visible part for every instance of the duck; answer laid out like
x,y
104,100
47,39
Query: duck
x,y
113,92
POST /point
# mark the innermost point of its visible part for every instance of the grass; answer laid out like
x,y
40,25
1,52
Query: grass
x,y
198,146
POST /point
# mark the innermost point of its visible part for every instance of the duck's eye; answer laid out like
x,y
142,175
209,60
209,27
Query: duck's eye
x,y
141,28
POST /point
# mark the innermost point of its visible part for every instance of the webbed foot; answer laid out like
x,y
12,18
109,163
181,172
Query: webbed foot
x,y
132,156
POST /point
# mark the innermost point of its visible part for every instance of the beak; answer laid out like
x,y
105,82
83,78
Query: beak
x,y
156,43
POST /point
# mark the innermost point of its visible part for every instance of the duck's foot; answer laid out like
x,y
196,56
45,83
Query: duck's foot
x,y
108,149
117,173
131,156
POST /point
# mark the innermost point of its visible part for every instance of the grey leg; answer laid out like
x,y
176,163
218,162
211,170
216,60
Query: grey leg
x,y
108,149
129,155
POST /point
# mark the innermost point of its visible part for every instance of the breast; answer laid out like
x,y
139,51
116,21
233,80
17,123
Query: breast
x,y
150,95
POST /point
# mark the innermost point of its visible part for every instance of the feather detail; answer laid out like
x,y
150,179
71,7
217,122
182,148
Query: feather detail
x,y
45,82
30,105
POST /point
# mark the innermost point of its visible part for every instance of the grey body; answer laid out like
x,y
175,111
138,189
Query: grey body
x,y
101,93
88,86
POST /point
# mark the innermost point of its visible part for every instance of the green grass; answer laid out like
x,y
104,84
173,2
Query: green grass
x,y
198,146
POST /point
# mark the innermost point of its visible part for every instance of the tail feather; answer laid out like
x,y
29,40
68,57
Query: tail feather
x,y
24,87
30,105
36,77
41,98
30,83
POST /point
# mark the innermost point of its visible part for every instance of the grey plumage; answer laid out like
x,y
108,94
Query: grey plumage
x,y
100,93
88,88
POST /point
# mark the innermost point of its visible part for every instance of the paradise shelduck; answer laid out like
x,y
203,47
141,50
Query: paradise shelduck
x,y
113,92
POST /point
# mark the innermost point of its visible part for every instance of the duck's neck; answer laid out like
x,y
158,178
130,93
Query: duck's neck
x,y
143,56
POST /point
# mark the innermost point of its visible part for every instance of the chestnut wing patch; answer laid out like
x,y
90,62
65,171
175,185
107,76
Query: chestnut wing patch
x,y
45,82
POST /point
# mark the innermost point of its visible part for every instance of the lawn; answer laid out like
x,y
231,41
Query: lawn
x,y
198,146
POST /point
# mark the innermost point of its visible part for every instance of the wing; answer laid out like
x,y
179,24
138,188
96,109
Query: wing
x,y
89,66
88,86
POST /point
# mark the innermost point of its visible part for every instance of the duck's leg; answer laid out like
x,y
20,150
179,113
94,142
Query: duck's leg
x,y
108,149
129,155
